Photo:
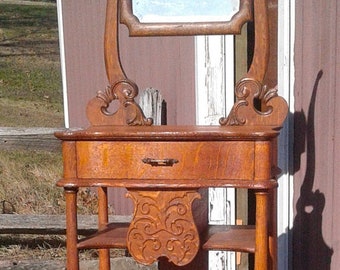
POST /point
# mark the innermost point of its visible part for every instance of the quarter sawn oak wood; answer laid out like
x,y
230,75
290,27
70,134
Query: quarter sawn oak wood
x,y
165,168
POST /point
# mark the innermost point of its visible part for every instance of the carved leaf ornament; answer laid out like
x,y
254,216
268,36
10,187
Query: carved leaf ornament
x,y
273,107
128,112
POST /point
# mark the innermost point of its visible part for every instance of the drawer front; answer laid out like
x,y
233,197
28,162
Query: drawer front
x,y
165,160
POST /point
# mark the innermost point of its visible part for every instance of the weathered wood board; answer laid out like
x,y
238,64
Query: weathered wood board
x,y
28,138
50,224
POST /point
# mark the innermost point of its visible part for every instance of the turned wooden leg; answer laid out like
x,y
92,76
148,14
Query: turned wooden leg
x,y
272,259
261,234
104,254
71,228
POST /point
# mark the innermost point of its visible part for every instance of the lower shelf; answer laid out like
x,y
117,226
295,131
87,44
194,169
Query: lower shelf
x,y
217,237
230,238
113,236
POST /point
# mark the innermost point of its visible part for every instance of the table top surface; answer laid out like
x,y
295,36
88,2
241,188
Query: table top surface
x,y
170,133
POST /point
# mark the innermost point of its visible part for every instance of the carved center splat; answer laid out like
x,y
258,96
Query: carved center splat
x,y
163,226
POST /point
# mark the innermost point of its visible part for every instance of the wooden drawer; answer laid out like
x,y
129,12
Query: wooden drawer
x,y
147,160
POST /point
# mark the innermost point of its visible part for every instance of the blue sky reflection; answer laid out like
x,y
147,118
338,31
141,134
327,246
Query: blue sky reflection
x,y
184,11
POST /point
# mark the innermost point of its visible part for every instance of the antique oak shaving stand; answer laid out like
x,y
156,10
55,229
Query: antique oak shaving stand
x,y
163,167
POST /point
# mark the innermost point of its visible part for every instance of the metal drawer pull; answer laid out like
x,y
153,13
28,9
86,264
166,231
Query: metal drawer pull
x,y
160,162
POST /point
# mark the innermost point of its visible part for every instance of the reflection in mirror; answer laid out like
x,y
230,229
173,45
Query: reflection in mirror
x,y
160,11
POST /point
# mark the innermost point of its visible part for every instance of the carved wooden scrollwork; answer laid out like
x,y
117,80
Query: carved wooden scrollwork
x,y
163,226
273,108
120,88
128,112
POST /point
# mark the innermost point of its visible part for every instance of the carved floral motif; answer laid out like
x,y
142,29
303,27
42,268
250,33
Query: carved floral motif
x,y
163,226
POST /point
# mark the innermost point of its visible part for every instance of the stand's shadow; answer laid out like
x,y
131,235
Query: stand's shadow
x,y
309,248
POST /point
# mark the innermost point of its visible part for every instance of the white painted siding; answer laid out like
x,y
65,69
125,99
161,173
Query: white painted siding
x,y
214,98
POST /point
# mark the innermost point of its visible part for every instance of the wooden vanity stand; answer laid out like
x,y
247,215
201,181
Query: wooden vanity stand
x,y
164,167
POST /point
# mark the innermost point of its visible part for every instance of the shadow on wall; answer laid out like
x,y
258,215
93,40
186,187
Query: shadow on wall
x,y
309,248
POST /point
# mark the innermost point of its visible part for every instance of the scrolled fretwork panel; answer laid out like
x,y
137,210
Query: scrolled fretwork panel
x,y
163,226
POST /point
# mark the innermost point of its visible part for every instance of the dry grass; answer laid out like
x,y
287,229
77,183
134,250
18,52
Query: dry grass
x,y
31,96
27,186
26,247
16,248
30,73
28,183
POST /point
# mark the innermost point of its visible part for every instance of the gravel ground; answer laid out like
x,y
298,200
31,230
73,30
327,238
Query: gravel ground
x,y
116,263
24,2
25,265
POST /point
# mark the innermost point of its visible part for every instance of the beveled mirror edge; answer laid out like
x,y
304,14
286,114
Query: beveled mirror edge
x,y
234,26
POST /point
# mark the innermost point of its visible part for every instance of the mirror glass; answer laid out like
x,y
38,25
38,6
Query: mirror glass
x,y
160,11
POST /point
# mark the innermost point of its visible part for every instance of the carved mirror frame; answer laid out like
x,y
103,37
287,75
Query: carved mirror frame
x,y
233,26
273,108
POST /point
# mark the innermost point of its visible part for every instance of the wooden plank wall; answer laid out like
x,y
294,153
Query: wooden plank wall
x,y
83,23
316,237
164,63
